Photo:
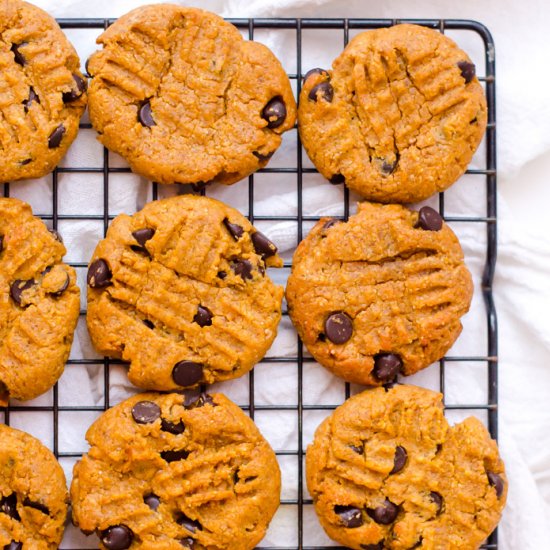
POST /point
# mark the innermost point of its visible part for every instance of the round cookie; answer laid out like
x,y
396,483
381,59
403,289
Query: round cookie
x,y
180,291
39,303
184,99
169,471
386,471
398,118
380,294
42,91
33,493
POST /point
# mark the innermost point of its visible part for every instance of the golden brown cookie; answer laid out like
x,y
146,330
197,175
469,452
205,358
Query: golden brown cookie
x,y
180,291
380,294
33,493
42,91
181,95
174,471
386,470
39,303
398,118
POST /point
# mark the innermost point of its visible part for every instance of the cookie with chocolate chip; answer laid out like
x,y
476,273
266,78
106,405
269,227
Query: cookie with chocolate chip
x,y
43,92
386,470
39,303
33,493
180,291
381,294
179,94
172,471
398,117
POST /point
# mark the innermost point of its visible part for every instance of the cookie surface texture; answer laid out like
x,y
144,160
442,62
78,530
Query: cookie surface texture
x,y
180,291
42,92
386,470
39,303
171,471
399,116
33,493
185,99
381,294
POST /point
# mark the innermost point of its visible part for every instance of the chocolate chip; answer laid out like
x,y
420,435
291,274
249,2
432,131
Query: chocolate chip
x,y
73,95
187,373
497,482
322,337
140,250
152,500
18,287
384,514
188,543
25,162
190,524
143,235
467,70
118,537
438,501
316,70
203,317
99,274
399,460
350,516
17,55
171,427
63,287
324,90
56,136
386,366
174,456
243,268
56,235
86,67
145,115
429,219
378,546
338,327
388,168
357,449
32,97
337,179
1,243
222,275
148,324
37,506
8,506
145,412
330,223
262,245
263,158
14,546
236,230
199,185
274,112
193,400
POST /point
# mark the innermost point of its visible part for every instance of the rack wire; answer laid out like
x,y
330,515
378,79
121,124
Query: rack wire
x,y
299,502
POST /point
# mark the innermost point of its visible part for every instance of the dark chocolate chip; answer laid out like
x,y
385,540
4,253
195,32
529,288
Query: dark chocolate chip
x,y
263,158
350,516
473,121
384,514
188,543
187,373
193,400
145,412
316,70
174,456
99,274
222,275
399,460
118,537
337,179
14,546
429,219
203,317
190,524
25,162
243,268
73,95
378,546
8,506
171,427
388,168
322,337
199,185
338,327
87,67
140,250
148,324
1,243
56,136
387,366
324,90
330,223
497,482
357,449
37,506
145,115
467,70
63,287
18,287
56,235
152,500
33,96
143,235
236,230
262,245
274,112
437,499
17,55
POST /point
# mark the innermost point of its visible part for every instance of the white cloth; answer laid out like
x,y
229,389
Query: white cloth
x,y
521,289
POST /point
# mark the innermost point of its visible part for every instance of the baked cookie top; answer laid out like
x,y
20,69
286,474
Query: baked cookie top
x,y
380,294
39,303
42,91
170,471
185,99
386,470
33,493
180,291
398,118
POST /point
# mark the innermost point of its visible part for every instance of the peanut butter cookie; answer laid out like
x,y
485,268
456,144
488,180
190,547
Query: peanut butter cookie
x,y
181,95
398,118
176,471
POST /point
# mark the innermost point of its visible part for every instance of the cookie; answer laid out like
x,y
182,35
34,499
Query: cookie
x,y
386,470
42,92
184,99
380,294
33,493
39,303
170,471
398,118
180,291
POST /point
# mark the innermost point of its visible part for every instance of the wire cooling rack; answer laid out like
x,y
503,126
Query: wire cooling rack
x,y
295,525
